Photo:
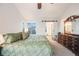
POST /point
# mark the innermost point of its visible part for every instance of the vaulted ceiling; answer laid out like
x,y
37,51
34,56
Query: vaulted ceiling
x,y
48,11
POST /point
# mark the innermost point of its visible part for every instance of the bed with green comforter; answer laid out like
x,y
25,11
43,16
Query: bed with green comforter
x,y
33,46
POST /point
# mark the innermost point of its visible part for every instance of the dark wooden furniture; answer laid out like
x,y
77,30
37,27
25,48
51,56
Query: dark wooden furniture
x,y
70,37
0,50
70,41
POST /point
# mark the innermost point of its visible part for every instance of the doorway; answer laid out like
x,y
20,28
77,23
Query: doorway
x,y
49,27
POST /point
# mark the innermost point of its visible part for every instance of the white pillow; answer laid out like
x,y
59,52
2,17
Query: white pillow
x,y
1,39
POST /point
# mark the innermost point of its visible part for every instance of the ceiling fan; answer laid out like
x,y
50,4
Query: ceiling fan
x,y
39,5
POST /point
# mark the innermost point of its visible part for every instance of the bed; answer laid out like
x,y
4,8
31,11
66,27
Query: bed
x,y
34,45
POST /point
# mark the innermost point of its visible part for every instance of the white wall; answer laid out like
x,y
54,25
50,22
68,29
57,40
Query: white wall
x,y
12,15
9,18
72,10
48,12
40,26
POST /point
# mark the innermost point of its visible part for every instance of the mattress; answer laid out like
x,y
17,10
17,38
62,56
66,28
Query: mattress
x,y
33,46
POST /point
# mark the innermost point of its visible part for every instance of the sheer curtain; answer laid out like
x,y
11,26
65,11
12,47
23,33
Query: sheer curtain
x,y
49,26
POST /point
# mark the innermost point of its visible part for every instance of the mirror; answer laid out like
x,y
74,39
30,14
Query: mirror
x,y
71,25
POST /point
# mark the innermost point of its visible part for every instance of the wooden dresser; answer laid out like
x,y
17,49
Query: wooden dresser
x,y
70,41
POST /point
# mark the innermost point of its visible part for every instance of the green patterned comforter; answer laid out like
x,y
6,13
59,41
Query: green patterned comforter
x,y
33,46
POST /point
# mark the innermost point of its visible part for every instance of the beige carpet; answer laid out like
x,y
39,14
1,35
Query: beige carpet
x,y
59,50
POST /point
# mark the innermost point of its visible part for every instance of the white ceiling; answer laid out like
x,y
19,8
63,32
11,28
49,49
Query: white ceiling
x,y
48,11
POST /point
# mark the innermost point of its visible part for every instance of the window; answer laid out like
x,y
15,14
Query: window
x,y
32,28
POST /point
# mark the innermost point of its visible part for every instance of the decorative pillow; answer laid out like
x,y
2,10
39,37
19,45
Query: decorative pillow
x,y
12,37
25,35
1,39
